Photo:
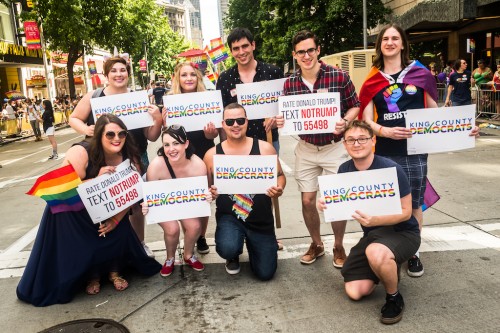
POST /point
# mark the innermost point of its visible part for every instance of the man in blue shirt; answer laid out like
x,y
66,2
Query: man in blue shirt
x,y
388,240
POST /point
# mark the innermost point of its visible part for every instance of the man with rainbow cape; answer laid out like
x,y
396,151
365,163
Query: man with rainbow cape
x,y
394,85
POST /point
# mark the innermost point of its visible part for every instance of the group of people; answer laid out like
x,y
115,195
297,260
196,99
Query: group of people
x,y
39,112
371,134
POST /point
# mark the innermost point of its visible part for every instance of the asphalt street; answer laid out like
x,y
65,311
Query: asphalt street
x,y
459,292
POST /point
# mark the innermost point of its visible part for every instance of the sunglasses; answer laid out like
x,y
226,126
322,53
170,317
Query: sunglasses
x,y
178,132
111,135
239,121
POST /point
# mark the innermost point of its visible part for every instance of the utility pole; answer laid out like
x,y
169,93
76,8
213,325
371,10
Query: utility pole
x,y
365,42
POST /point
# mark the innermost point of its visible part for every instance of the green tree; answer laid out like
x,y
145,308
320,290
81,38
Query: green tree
x,y
144,28
337,23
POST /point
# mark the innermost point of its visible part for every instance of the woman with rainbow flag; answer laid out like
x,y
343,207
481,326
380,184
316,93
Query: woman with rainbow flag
x,y
70,250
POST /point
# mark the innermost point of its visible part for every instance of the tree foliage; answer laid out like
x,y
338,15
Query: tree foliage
x,y
75,26
337,23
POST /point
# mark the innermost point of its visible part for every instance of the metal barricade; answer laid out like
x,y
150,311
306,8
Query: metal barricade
x,y
442,91
8,127
487,101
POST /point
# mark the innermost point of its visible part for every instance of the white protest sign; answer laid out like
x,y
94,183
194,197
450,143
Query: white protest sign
x,y
131,108
309,113
194,110
440,129
245,174
374,192
176,199
260,99
109,194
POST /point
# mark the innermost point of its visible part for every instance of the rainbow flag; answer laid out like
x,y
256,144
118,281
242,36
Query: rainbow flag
x,y
415,73
218,54
216,42
58,188
213,77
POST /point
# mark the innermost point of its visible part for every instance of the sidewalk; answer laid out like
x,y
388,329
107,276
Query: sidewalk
x,y
28,134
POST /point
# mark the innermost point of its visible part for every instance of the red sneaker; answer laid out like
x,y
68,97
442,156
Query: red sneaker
x,y
195,263
168,267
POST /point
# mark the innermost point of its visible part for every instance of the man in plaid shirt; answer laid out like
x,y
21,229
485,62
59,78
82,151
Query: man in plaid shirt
x,y
317,154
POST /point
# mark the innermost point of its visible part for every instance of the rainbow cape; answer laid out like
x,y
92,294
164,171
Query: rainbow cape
x,y
415,73
58,188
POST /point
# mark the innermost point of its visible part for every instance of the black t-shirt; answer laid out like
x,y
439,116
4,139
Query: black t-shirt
x,y
158,93
391,104
461,87
380,162
261,217
227,85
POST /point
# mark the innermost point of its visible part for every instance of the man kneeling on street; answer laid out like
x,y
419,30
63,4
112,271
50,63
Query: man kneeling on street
x,y
245,217
388,241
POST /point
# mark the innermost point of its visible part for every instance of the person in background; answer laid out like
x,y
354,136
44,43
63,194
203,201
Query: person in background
x,y
188,79
48,127
496,88
459,92
34,118
482,74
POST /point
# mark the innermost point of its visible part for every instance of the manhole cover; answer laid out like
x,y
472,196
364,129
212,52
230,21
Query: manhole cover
x,y
88,326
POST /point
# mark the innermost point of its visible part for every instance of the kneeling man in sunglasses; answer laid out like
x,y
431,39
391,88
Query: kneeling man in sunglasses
x,y
245,217
388,240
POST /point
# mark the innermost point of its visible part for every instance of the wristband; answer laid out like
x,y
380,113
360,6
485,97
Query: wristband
x,y
114,220
380,131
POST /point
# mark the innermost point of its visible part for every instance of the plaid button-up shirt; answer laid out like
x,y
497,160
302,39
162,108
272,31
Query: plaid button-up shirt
x,y
329,79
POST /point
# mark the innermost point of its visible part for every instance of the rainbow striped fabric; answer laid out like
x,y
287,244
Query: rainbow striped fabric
x,y
242,205
58,188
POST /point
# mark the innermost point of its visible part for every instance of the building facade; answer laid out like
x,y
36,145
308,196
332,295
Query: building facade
x,y
455,21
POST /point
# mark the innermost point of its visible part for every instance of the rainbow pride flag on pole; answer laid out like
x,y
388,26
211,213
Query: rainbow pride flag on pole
x,y
218,54
58,188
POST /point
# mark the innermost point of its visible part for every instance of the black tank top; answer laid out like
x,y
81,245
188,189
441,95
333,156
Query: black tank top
x,y
261,217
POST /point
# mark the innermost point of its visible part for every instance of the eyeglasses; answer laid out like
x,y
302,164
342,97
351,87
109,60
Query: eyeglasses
x,y
302,53
111,135
239,121
361,141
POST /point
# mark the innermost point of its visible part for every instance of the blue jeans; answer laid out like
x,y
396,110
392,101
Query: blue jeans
x,y
262,248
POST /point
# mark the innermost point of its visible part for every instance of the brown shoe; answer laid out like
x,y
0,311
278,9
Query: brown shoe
x,y
339,257
314,252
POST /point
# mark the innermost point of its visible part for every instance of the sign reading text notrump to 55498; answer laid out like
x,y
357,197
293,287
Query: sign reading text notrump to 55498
x,y
194,110
131,108
373,192
176,199
260,99
245,174
109,194
439,130
309,113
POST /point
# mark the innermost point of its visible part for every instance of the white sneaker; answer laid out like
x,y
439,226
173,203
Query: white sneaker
x,y
148,250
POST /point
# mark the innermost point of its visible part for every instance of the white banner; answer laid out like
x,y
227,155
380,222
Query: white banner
x,y
439,130
194,110
107,195
260,99
131,108
176,199
309,113
373,192
245,174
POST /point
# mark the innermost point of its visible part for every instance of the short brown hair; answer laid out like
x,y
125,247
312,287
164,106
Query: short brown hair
x,y
233,106
359,124
303,35
112,61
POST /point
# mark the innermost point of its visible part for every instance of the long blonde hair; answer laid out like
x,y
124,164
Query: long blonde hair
x,y
176,82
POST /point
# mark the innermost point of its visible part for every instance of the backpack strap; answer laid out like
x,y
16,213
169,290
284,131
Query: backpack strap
x,y
97,93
